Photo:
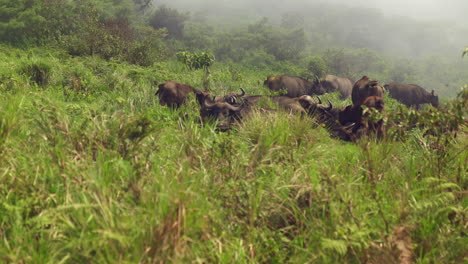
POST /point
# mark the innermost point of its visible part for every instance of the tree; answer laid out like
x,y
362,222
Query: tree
x,y
195,61
316,68
171,19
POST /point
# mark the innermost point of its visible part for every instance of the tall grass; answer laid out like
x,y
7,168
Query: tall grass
x,y
100,173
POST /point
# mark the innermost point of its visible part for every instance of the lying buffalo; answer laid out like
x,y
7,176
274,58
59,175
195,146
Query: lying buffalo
x,y
174,94
412,94
364,88
295,86
332,83
352,122
226,113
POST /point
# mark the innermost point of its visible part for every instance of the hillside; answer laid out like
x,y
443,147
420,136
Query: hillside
x,y
94,170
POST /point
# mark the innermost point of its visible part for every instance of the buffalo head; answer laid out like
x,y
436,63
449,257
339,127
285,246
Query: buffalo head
x,y
364,88
434,99
222,112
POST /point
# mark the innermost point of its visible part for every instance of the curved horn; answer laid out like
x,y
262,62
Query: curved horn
x,y
330,106
350,125
242,94
233,108
319,100
432,93
207,104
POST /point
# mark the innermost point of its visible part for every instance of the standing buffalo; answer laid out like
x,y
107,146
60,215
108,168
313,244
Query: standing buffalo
x,y
412,94
174,94
364,88
295,86
333,83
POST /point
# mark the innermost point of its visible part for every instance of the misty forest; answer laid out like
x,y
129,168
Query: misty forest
x,y
216,131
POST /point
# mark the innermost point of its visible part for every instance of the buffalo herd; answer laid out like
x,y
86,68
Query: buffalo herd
x,y
348,123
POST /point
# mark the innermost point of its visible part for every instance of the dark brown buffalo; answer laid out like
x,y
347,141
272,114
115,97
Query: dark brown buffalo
x,y
351,122
174,94
294,86
227,114
332,83
412,94
364,88
363,125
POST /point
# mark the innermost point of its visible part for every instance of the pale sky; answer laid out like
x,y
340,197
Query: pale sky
x,y
436,10
455,10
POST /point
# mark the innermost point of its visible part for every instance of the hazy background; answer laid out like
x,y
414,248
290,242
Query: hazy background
x,y
403,27
449,10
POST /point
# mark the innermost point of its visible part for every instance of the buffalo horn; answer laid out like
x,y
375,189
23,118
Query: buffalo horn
x,y
349,126
233,108
330,106
242,94
208,105
319,100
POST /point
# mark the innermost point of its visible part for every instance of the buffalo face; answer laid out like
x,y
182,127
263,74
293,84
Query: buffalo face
x,y
434,99
222,112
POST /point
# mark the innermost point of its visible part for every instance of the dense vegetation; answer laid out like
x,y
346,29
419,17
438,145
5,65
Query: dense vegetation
x,y
93,170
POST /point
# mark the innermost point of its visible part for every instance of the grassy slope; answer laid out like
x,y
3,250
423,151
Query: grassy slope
x,y
103,174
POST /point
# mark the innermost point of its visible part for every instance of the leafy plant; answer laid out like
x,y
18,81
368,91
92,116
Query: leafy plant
x,y
195,61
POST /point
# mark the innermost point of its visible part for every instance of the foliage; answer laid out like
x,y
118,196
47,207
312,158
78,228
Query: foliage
x,y
438,123
37,72
149,47
316,67
171,19
195,61
92,162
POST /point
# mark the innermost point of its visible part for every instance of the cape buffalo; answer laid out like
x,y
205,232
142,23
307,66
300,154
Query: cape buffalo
x,y
174,94
295,86
227,113
352,122
332,83
412,94
364,88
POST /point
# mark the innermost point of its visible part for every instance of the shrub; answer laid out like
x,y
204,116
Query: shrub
x,y
149,48
315,67
195,61
37,72
171,19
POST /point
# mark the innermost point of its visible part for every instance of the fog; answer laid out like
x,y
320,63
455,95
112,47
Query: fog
x,y
399,27
454,11
424,38
429,10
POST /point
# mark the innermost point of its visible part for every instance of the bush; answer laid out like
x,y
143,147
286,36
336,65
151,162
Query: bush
x,y
171,19
149,48
195,61
37,72
316,67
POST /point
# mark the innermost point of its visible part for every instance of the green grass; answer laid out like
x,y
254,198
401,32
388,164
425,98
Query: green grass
x,y
96,171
